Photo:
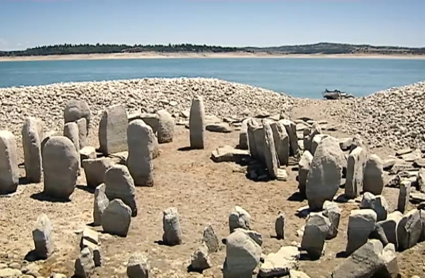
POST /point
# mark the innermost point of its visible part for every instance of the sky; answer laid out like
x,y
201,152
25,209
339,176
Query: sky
x,y
29,23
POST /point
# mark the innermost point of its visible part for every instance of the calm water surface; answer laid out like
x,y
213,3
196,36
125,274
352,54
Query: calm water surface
x,y
303,77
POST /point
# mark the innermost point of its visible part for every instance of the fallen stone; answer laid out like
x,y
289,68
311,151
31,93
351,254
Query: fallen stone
x,y
303,169
82,132
252,125
199,260
138,266
260,143
32,133
270,155
101,202
387,164
403,196
165,127
10,273
373,179
280,226
239,218
333,213
354,178
9,171
281,142
87,152
116,218
421,180
401,167
255,236
42,237
281,263
220,128
315,233
113,130
228,154
417,197
379,234
409,230
360,224
377,203
197,123
95,169
84,265
171,226
210,239
403,151
389,226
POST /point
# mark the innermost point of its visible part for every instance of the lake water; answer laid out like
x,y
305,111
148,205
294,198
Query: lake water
x,y
300,77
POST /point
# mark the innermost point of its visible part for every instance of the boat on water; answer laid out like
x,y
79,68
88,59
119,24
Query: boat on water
x,y
335,94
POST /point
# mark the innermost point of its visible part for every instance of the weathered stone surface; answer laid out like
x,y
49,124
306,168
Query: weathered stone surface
x,y
303,169
228,154
270,155
390,265
120,185
140,138
333,213
377,203
360,224
219,127
409,230
116,218
281,263
279,226
403,196
199,260
165,127
94,249
297,274
84,265
252,125
87,152
387,164
243,135
239,218
364,262
60,166
390,226
421,180
100,203
310,134
373,179
138,266
354,179
291,130
255,236
242,256
171,226
281,142
95,169
113,130
32,134
324,177
9,172
82,132
43,238
315,232
197,123
75,110
210,239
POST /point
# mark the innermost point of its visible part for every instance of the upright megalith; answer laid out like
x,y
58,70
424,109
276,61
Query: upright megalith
x,y
100,203
332,211
312,132
360,224
303,169
324,176
140,140
197,123
9,172
239,218
279,226
315,233
291,130
252,125
377,203
409,230
373,177
116,218
75,110
354,178
165,127
243,135
60,166
389,226
281,142
270,155
120,185
171,226
84,265
82,131
32,134
210,239
113,130
42,237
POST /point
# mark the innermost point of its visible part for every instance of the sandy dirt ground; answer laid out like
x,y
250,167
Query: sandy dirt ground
x,y
203,192
156,55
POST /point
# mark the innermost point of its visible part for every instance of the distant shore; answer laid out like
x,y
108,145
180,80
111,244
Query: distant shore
x,y
157,55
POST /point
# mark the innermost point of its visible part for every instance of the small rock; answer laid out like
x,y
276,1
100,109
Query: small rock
x,y
171,226
360,224
297,274
116,218
239,218
138,266
84,265
280,226
315,233
210,239
377,203
199,260
280,263
333,213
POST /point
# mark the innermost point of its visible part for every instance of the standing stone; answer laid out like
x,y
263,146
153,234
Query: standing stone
x,y
70,131
252,126
95,170
389,226
84,265
101,202
421,180
259,141
239,218
243,135
270,155
171,226
291,130
138,266
303,169
140,140
279,226
373,179
60,166
242,256
155,152
9,172
199,260
32,132
197,123
82,131
360,224
116,218
354,178
281,142
311,133
377,203
210,239
333,213
409,230
120,185
42,236
389,258
315,233
151,120
403,196
87,153
316,141
165,127
324,177
113,130
77,109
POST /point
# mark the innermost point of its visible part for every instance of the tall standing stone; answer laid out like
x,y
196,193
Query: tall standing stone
x,y
113,130
197,123
252,126
373,179
82,132
77,109
120,185
140,140
165,127
270,155
312,132
32,133
60,166
243,135
324,177
315,233
403,196
303,169
354,179
409,230
316,141
279,226
116,218
171,225
42,236
291,130
9,172
360,224
281,142
100,203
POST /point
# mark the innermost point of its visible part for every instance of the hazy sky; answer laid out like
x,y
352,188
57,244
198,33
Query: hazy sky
x,y
27,23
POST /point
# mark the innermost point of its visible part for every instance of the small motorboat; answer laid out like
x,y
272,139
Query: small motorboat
x,y
335,94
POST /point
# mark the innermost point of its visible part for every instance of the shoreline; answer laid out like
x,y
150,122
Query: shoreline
x,y
235,55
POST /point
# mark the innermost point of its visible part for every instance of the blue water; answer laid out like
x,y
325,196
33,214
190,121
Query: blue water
x,y
303,77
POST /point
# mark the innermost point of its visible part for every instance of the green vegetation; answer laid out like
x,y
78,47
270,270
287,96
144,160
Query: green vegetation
x,y
319,48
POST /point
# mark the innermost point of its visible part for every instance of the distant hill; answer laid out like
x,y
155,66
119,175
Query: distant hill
x,y
319,48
